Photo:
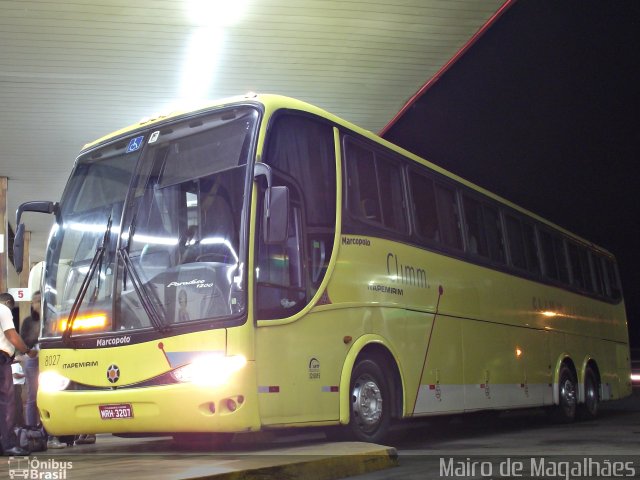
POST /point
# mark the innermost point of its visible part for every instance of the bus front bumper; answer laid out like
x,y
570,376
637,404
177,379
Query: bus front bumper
x,y
182,407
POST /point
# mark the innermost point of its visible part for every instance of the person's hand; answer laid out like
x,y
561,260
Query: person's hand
x,y
32,353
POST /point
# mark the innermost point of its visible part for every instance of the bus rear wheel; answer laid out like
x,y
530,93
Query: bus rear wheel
x,y
589,409
565,411
370,402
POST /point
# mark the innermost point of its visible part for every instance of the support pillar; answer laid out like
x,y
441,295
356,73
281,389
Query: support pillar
x,y
23,279
4,235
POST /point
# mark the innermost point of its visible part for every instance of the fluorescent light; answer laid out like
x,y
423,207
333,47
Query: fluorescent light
x,y
210,18
220,13
200,65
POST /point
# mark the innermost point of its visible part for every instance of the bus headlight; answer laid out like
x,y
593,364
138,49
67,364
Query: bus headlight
x,y
209,370
50,381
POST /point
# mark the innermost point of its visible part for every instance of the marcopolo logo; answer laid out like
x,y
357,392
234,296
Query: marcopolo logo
x,y
32,468
360,242
112,342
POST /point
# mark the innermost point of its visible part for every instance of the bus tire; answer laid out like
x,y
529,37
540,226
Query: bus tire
x,y
565,411
370,402
589,409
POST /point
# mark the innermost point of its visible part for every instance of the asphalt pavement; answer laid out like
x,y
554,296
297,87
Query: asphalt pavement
x,y
520,444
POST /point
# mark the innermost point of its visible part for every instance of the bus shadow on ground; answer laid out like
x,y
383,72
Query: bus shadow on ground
x,y
435,431
417,433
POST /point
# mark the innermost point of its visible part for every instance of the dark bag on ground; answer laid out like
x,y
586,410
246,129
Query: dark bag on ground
x,y
33,439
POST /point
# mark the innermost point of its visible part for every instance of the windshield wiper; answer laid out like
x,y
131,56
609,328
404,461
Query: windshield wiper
x,y
95,261
156,317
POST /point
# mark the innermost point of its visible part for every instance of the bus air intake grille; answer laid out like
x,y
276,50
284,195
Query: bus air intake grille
x,y
164,379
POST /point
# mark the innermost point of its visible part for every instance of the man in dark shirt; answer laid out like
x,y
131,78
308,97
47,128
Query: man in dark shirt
x,y
30,333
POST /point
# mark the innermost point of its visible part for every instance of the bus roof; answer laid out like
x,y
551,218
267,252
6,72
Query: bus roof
x,y
272,102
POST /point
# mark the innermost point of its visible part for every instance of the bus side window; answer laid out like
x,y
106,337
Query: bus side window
x,y
423,195
561,256
548,257
320,246
364,200
300,149
448,216
279,273
391,194
530,248
580,270
554,256
493,230
613,285
484,230
516,242
375,192
598,273
521,237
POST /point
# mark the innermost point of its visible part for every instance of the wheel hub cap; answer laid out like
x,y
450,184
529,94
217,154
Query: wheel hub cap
x,y
367,402
568,393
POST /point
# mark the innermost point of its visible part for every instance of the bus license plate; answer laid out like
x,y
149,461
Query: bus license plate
x,y
112,412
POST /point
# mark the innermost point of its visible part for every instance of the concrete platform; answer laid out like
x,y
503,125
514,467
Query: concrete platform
x,y
159,459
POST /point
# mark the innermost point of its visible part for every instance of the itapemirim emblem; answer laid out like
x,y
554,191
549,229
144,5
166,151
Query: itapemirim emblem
x,y
113,373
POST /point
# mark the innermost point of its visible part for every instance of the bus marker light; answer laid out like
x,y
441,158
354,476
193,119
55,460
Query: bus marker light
x,y
231,405
347,339
330,389
269,389
85,322
518,352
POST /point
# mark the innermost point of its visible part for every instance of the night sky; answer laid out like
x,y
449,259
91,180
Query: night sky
x,y
544,110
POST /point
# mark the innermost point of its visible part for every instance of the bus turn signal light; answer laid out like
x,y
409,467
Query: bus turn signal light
x,y
92,321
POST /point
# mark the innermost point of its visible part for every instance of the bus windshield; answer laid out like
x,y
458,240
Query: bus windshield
x,y
150,231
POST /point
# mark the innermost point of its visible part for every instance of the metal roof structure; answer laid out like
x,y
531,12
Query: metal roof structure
x,y
72,71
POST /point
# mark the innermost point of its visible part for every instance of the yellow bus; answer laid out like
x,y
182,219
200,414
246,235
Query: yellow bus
x,y
260,263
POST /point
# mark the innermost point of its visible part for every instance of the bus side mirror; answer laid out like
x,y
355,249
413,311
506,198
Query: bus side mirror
x,y
18,248
275,216
18,241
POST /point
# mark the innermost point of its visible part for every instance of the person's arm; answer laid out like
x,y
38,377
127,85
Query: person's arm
x,y
17,342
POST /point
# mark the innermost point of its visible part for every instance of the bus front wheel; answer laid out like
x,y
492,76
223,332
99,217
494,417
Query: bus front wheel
x,y
370,402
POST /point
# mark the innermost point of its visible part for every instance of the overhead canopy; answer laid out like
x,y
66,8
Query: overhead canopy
x,y
74,71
